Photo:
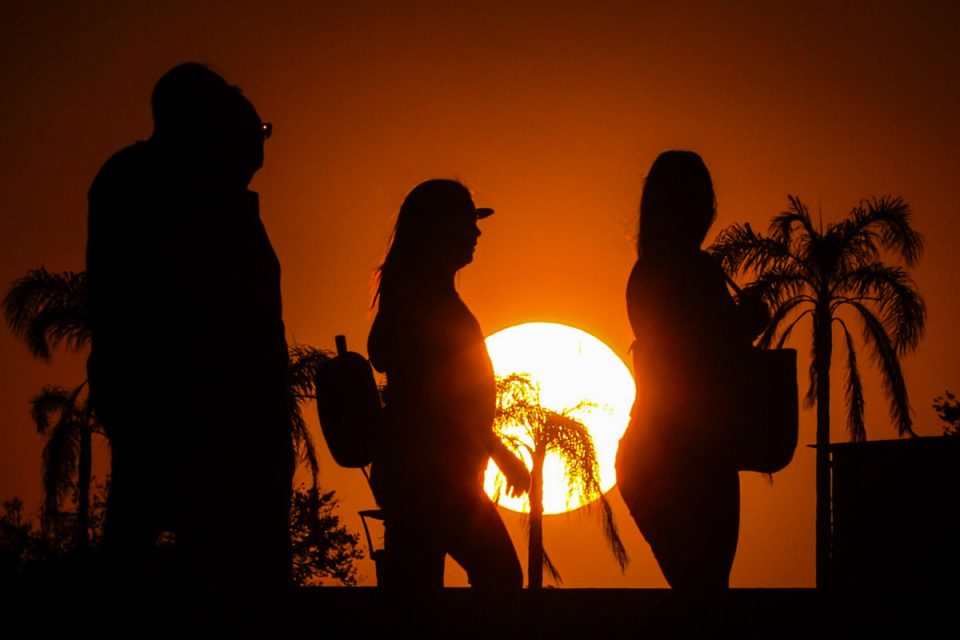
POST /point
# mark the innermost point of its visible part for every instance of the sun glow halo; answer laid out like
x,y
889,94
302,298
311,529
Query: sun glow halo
x,y
570,366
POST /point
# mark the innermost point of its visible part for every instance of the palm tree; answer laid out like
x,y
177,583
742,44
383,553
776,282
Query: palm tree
x,y
542,431
45,310
69,424
831,276
304,363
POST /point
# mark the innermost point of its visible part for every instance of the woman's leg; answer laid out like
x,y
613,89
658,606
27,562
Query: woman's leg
x,y
692,527
477,539
691,521
413,557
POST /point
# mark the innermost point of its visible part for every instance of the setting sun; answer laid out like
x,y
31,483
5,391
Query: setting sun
x,y
570,366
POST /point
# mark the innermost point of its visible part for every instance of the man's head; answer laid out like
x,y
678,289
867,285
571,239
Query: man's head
x,y
188,100
207,125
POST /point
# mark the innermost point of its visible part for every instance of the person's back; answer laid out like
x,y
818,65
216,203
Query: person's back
x,y
188,369
687,331
136,314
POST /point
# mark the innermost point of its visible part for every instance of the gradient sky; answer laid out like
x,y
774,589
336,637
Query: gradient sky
x,y
551,112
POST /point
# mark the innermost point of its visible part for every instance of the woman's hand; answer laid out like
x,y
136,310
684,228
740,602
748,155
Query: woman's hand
x,y
517,475
513,468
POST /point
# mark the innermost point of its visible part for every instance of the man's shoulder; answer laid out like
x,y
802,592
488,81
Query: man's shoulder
x,y
120,169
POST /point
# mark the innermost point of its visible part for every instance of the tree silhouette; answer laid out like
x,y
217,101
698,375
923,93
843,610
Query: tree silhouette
x,y
304,363
948,410
66,419
322,546
803,270
529,428
46,309
22,546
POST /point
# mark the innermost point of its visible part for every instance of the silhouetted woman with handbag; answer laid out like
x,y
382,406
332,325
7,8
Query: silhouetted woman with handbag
x,y
440,399
674,466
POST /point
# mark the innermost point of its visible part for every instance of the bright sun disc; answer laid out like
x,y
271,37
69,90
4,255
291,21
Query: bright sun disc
x,y
570,366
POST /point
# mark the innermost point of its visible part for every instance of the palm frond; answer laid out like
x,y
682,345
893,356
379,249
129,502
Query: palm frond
x,y
60,456
890,216
551,568
789,329
779,315
740,249
518,403
853,395
902,310
891,375
46,309
47,407
571,440
612,535
302,374
778,285
304,362
853,246
303,444
781,226
60,413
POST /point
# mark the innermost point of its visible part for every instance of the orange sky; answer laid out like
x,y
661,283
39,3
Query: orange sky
x,y
552,112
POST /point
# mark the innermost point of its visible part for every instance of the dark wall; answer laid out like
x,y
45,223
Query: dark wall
x,y
896,514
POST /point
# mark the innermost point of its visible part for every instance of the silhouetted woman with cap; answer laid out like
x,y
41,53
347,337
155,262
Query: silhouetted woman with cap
x,y
673,472
439,404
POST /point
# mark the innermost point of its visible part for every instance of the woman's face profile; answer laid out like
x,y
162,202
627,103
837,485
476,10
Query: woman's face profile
x,y
463,233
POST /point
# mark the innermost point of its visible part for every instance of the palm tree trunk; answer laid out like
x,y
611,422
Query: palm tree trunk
x,y
84,472
535,547
823,350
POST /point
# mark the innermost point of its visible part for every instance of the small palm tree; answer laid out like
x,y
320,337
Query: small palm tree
x,y
45,310
831,276
66,419
542,431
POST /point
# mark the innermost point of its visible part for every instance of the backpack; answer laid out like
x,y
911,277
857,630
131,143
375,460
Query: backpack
x,y
349,406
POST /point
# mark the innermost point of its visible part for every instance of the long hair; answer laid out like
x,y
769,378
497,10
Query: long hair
x,y
678,204
421,231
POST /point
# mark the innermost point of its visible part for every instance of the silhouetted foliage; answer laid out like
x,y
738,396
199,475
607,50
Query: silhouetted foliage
x,y
24,546
948,410
322,546
544,431
68,422
304,361
46,309
803,270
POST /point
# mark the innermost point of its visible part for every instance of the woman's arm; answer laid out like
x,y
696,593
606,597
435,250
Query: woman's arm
x,y
727,323
513,468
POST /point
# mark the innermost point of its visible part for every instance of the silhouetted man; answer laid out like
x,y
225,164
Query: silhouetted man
x,y
189,361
